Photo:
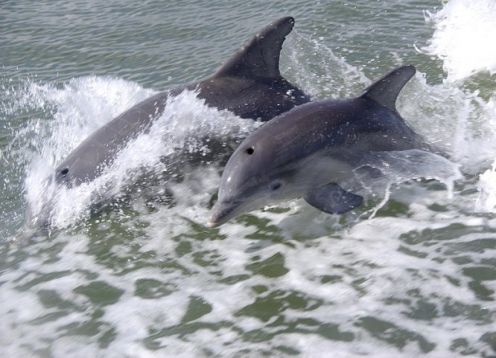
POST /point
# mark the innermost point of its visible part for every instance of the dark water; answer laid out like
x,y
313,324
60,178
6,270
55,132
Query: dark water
x,y
412,275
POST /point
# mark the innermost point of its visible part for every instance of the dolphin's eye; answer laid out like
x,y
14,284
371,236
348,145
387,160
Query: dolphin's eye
x,y
275,185
250,151
64,171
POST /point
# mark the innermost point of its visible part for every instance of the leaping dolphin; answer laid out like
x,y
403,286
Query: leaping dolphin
x,y
249,85
308,151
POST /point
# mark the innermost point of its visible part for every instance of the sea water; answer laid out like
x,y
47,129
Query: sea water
x,y
412,272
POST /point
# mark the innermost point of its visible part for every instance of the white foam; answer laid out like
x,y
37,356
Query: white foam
x,y
458,121
486,200
79,107
464,37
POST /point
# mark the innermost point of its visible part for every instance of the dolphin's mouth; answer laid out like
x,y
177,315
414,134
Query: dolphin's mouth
x,y
222,212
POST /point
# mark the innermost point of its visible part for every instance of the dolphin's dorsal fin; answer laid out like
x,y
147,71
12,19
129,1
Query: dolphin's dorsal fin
x,y
260,57
386,90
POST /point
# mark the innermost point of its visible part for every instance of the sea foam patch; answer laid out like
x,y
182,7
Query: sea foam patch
x,y
463,37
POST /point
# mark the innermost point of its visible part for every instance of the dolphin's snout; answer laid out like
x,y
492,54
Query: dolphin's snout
x,y
222,212
211,223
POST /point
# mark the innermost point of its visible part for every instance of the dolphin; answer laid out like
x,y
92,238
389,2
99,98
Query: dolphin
x,y
308,151
249,85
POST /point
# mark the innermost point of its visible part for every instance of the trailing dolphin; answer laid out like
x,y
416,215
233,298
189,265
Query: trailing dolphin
x,y
249,85
308,151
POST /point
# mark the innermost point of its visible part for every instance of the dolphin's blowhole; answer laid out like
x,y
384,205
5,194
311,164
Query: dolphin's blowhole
x,y
250,150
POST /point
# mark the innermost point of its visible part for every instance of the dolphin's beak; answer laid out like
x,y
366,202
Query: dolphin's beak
x,y
212,223
222,212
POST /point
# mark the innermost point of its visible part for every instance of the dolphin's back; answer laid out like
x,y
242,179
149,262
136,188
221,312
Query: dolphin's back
x,y
87,161
260,99
248,84
348,129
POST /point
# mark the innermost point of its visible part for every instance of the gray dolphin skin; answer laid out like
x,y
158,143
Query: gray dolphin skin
x,y
308,151
249,85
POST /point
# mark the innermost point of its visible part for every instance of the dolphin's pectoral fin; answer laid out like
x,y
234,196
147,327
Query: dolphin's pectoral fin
x,y
260,57
332,199
386,90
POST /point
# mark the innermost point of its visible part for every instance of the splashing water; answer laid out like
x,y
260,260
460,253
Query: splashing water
x,y
464,37
413,275
310,58
463,30
82,105
187,126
